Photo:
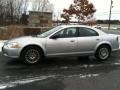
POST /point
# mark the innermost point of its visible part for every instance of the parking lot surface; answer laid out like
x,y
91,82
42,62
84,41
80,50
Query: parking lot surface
x,y
61,74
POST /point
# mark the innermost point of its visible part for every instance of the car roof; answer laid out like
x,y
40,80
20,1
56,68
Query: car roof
x,y
67,26
74,26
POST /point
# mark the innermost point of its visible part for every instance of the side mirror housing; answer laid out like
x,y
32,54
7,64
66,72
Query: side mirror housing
x,y
54,37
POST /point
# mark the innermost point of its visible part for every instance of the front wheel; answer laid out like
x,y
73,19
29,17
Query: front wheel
x,y
31,55
103,53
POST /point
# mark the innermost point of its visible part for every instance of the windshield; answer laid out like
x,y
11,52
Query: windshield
x,y
47,33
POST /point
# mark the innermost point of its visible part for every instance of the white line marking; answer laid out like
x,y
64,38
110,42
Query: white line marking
x,y
83,76
24,81
30,80
116,64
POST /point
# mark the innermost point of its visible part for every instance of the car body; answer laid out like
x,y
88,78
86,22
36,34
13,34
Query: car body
x,y
65,40
98,26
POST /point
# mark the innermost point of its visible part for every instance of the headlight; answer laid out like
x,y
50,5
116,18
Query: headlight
x,y
13,45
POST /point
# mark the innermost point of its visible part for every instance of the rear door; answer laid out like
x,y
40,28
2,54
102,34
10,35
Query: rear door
x,y
87,39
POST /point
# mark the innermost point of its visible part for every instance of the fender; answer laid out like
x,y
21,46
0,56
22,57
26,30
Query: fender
x,y
101,43
36,44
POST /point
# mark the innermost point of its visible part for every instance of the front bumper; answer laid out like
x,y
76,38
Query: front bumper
x,y
11,52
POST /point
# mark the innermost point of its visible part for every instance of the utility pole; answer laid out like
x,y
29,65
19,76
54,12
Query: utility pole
x,y
110,14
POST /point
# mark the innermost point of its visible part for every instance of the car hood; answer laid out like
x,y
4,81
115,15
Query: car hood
x,y
25,39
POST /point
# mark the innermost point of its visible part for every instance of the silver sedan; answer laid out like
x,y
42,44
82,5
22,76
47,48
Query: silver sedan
x,y
65,40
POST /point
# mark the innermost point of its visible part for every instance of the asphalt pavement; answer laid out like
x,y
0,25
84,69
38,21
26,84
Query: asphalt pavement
x,y
61,74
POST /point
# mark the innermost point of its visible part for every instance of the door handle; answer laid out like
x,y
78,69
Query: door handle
x,y
97,39
72,41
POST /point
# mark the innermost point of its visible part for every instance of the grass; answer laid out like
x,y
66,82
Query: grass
x,y
12,32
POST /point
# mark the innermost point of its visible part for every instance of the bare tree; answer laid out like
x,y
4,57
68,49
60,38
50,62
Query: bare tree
x,y
14,9
34,5
41,5
25,5
1,11
18,9
11,10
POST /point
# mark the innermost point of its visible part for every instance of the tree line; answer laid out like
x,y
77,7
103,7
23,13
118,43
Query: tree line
x,y
107,21
15,11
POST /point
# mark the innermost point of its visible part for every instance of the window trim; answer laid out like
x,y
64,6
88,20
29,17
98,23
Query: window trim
x,y
89,29
76,35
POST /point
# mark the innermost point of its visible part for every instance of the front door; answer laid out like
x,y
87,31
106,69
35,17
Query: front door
x,y
65,44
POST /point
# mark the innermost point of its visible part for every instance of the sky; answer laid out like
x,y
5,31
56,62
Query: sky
x,y
102,7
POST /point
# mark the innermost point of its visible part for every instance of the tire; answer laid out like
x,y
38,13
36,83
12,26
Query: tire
x,y
32,55
103,53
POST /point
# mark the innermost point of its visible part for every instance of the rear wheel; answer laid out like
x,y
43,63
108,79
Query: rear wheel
x,y
32,55
103,53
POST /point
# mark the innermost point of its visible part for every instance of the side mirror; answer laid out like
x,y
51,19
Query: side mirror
x,y
54,37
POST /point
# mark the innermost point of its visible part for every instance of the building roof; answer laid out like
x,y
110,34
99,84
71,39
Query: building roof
x,y
40,12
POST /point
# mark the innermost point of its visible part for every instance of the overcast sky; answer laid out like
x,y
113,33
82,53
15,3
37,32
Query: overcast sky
x,y
102,6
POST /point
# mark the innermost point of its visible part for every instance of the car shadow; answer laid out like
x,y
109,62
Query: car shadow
x,y
50,63
65,61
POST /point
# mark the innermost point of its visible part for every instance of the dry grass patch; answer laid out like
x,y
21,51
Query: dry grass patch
x,y
12,32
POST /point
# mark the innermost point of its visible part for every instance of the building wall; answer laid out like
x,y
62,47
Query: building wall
x,y
43,19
